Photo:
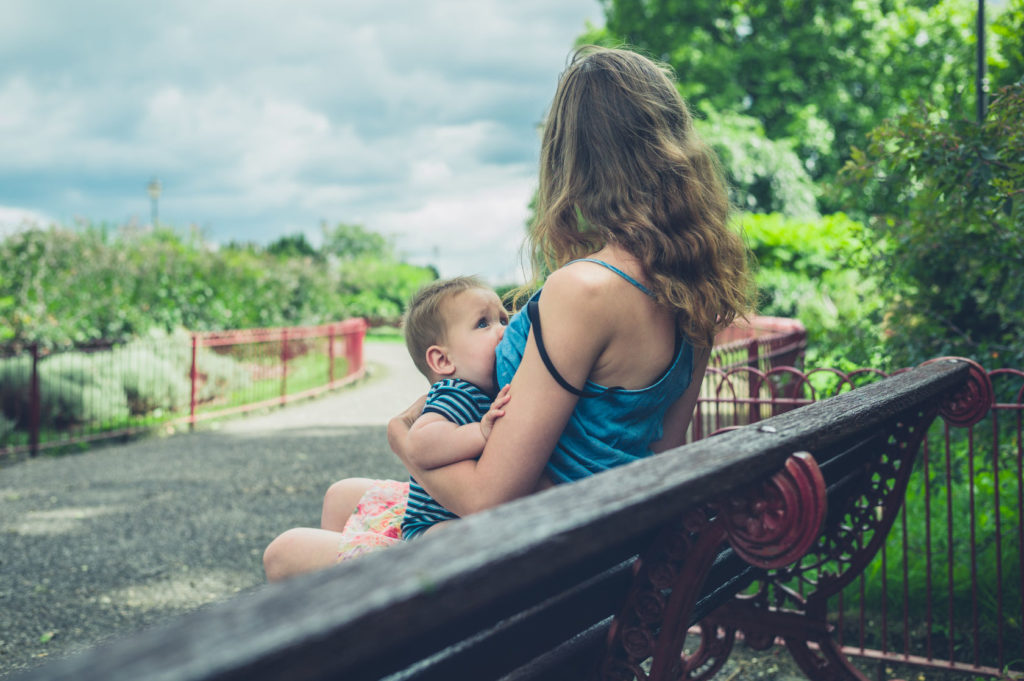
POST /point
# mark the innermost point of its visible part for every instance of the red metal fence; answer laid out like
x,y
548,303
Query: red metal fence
x,y
946,592
763,342
103,390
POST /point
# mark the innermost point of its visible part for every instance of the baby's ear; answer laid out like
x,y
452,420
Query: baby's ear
x,y
439,362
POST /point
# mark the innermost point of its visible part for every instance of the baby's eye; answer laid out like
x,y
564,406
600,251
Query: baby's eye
x,y
482,323
504,320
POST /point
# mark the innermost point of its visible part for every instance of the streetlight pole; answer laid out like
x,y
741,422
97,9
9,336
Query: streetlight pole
x,y
980,75
154,197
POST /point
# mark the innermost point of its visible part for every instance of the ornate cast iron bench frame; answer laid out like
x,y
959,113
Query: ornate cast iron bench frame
x,y
599,579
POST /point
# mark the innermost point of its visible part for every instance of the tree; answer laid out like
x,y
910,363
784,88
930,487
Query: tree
x,y
292,246
764,175
351,242
947,201
6,315
822,74
1007,64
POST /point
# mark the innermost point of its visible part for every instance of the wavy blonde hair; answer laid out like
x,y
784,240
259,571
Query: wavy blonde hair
x,y
621,164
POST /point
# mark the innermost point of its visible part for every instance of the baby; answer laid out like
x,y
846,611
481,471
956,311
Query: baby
x,y
451,329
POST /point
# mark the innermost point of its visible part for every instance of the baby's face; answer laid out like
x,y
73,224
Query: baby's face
x,y
476,322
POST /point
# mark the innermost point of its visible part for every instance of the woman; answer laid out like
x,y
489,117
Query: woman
x,y
605,364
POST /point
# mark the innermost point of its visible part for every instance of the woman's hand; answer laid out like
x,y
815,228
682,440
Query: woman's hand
x,y
398,428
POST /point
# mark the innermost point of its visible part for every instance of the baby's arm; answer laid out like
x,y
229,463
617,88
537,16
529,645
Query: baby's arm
x,y
434,441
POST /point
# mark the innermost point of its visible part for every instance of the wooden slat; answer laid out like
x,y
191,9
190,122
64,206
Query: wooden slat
x,y
376,615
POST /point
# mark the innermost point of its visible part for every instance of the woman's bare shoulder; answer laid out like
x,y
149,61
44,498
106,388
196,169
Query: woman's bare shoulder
x,y
575,303
580,281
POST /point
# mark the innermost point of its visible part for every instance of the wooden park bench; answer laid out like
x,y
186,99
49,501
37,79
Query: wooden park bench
x,y
599,579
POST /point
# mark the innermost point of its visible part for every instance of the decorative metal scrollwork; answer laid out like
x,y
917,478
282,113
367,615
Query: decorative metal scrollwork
x,y
775,525
970,404
770,524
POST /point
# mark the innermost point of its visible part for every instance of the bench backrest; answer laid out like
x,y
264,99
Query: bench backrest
x,y
532,573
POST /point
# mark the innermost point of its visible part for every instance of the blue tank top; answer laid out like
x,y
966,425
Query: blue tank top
x,y
613,426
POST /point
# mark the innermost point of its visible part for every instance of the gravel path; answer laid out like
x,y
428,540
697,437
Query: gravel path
x,y
107,542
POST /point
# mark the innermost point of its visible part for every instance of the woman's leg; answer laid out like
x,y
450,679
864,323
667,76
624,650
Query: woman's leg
x,y
341,500
299,550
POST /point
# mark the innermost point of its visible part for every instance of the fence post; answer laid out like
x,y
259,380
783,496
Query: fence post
x,y
354,346
35,404
330,354
194,374
284,365
752,381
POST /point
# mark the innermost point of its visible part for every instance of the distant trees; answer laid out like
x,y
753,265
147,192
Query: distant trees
x,y
61,285
1007,65
811,80
821,74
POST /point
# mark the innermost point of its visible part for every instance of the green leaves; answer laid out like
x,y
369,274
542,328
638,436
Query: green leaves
x,y
352,242
944,193
809,269
819,74
765,176
60,286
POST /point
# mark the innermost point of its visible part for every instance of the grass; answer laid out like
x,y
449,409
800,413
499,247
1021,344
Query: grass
x,y
305,372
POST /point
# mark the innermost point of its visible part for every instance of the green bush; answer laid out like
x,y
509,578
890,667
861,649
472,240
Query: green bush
x,y
151,382
77,388
944,196
148,377
15,377
219,373
379,290
807,270
7,426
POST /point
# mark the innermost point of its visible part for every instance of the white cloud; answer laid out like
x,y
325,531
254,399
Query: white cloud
x,y
14,219
479,232
413,118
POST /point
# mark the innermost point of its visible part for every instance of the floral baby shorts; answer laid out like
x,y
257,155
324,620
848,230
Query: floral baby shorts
x,y
377,521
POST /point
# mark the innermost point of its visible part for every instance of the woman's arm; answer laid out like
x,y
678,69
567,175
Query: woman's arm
x,y
576,331
677,418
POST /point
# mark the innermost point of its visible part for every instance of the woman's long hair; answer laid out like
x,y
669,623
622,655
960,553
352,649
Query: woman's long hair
x,y
622,164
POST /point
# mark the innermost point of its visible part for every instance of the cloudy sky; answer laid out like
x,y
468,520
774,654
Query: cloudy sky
x,y
417,119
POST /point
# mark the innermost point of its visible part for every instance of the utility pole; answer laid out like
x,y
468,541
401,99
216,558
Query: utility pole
x,y
154,197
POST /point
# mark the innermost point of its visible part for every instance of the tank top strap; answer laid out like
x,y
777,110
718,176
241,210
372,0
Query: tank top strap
x,y
617,271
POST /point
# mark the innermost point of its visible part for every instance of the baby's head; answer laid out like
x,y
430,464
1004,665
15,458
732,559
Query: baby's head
x,y
451,329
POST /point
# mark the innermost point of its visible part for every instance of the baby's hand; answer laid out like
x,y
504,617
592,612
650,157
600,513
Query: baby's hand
x,y
495,412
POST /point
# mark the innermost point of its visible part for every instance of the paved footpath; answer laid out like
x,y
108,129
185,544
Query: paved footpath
x,y
108,542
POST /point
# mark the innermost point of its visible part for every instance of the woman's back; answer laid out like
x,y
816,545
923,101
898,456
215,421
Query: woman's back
x,y
645,337
642,335
642,365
